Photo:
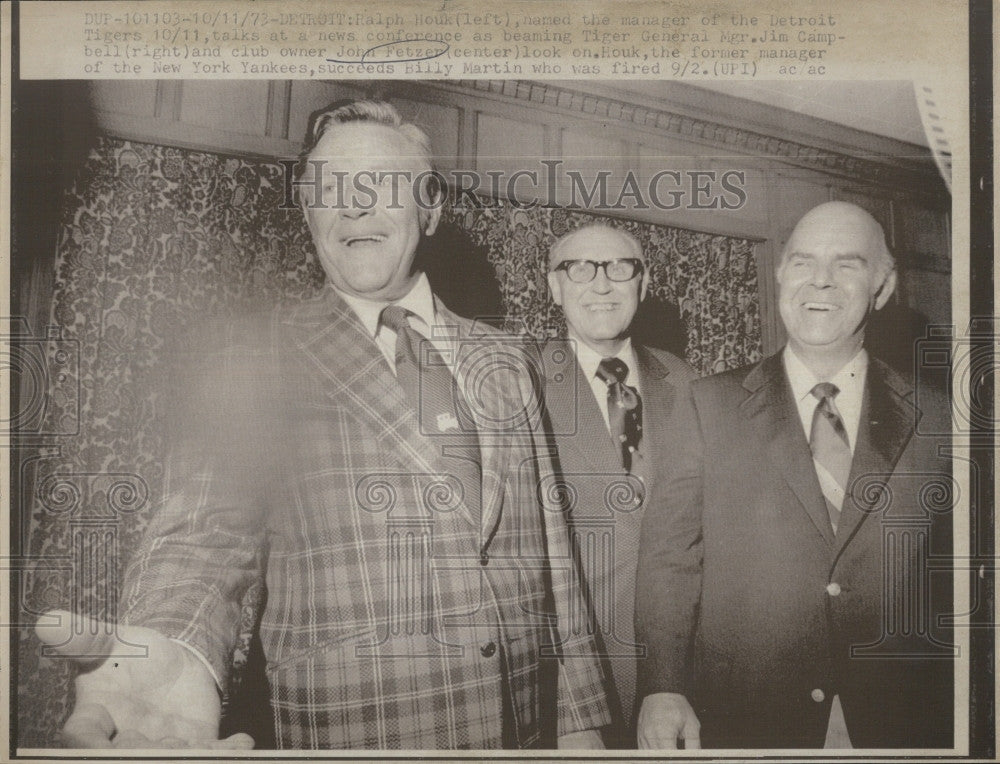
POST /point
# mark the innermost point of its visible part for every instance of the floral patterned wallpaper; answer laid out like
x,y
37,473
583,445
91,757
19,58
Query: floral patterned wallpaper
x,y
153,237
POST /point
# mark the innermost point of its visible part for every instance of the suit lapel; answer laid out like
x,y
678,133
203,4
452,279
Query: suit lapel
x,y
887,424
578,419
499,403
657,401
355,374
589,436
771,410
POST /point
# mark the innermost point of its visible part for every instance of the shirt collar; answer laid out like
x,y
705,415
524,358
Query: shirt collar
x,y
851,375
589,359
419,300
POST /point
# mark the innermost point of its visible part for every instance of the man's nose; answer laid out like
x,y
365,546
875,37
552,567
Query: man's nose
x,y
822,275
352,211
359,205
364,198
601,282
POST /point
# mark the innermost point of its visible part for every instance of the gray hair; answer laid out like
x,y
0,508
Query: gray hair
x,y
372,112
632,242
383,113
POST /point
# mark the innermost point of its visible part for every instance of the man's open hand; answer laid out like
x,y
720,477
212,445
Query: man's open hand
x,y
137,689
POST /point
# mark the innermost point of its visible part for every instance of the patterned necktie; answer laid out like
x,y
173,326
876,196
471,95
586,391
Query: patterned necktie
x,y
831,450
434,394
624,408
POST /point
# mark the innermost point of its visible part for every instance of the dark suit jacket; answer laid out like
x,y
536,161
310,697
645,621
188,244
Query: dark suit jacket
x,y
396,612
757,613
604,504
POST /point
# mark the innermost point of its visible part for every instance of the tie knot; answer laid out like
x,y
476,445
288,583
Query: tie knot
x,y
611,370
825,390
396,318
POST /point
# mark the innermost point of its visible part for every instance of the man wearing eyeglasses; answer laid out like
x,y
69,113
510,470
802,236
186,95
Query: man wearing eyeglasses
x,y
609,410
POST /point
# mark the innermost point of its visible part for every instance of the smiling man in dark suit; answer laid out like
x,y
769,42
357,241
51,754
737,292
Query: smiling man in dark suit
x,y
609,403
786,589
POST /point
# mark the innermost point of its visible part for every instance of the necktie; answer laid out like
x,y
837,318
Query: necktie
x,y
624,408
831,449
440,407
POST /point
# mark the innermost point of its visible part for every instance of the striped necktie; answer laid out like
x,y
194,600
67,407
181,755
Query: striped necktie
x,y
831,450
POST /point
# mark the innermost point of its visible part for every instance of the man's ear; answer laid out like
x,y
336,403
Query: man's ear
x,y
430,198
555,288
885,291
304,200
645,284
433,217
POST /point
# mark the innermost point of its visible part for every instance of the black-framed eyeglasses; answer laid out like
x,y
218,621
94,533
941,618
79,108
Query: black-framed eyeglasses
x,y
583,271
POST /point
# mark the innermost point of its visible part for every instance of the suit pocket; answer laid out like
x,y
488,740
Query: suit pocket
x,y
318,599
331,649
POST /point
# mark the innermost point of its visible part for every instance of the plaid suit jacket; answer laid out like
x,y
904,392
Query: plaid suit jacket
x,y
394,611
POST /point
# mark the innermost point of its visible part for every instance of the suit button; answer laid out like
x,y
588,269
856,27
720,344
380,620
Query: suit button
x,y
488,650
484,559
818,695
833,589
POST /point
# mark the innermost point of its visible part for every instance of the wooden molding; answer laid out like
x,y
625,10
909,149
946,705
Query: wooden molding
x,y
700,116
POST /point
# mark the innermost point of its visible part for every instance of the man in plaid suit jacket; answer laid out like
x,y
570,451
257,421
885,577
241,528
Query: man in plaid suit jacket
x,y
403,609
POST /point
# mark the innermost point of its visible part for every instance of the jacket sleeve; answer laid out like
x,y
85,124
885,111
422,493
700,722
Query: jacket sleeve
x,y
204,546
668,583
582,694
